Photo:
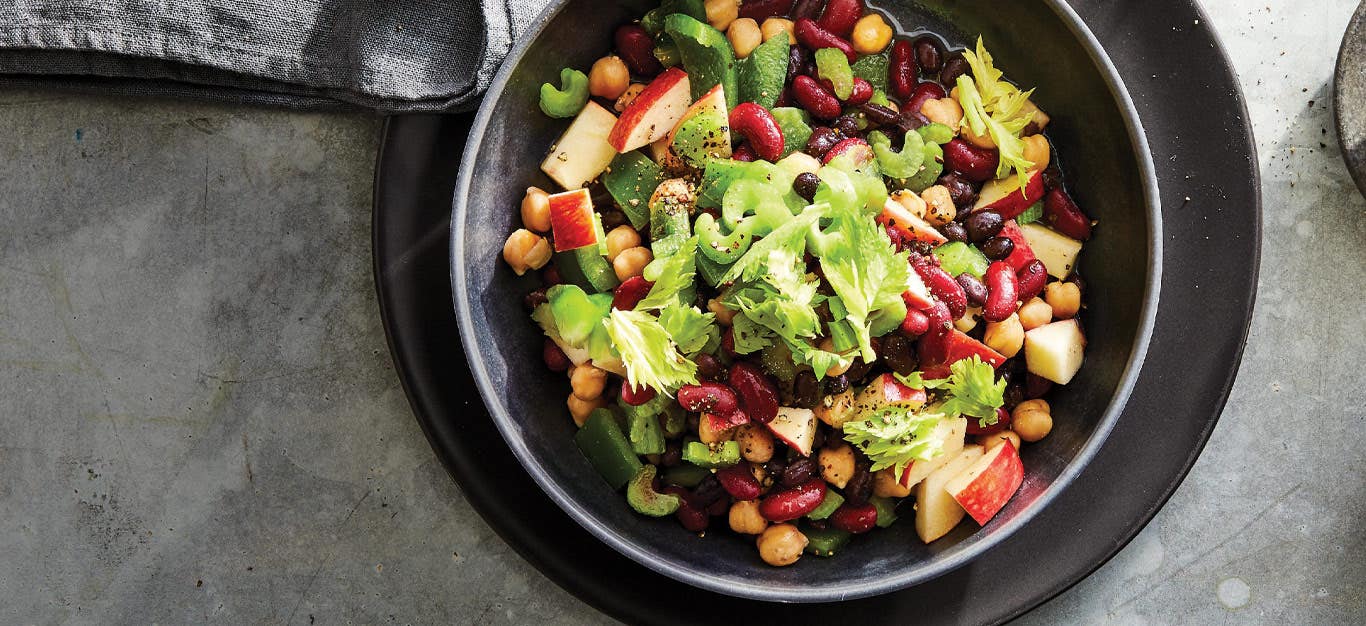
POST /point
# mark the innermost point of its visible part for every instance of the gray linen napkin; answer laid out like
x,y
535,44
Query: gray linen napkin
x,y
390,56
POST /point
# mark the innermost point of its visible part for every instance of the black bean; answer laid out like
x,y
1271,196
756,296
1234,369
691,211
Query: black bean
x,y
1052,177
708,491
821,524
799,471
806,8
775,468
878,114
983,225
836,384
1014,396
709,368
899,354
535,299
910,120
858,370
954,231
806,390
823,138
960,190
975,290
818,440
797,58
998,248
673,454
847,125
806,185
612,218
954,67
859,487
928,55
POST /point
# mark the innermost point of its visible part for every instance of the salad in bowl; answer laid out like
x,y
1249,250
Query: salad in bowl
x,y
805,275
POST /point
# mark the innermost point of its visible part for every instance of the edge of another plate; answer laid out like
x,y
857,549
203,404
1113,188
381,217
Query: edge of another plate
x,y
1349,92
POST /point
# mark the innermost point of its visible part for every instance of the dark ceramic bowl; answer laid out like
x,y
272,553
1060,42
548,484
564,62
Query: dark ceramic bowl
x,y
1102,148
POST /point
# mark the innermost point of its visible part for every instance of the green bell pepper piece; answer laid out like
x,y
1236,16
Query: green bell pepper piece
x,y
825,541
602,441
576,313
685,475
711,272
827,507
642,497
569,99
761,74
707,56
796,126
886,510
873,68
645,434
587,268
832,65
631,179
1030,215
709,457
670,225
653,21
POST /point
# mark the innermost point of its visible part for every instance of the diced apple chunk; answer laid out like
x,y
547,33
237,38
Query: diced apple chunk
x,y
795,427
572,220
900,219
936,512
582,152
952,431
653,113
1055,351
886,390
988,484
1004,195
1057,251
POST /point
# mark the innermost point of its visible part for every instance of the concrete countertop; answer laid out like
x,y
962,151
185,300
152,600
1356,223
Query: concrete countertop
x,y
199,419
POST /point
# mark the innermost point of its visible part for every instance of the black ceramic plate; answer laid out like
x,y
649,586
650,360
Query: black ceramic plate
x,y
1198,131
1349,92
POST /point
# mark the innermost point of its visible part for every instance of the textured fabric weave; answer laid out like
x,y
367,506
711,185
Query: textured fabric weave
x,y
391,56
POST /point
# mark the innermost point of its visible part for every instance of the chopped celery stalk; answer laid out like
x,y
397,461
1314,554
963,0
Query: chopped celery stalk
x,y
631,179
887,319
667,54
832,501
712,457
684,475
832,65
777,360
936,132
642,497
903,164
886,510
796,127
879,98
825,541
723,249
576,313
930,169
957,258
602,441
873,68
675,420
569,99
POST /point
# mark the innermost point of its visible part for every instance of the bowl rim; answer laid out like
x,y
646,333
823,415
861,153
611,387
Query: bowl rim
x,y
741,587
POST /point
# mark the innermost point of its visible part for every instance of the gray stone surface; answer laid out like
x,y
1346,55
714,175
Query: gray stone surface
x,y
199,420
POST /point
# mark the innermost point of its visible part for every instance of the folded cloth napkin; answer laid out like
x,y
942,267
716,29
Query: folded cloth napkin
x,y
390,56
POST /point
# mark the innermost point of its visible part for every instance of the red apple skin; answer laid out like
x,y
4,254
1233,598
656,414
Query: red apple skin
x,y
906,224
1023,254
894,392
989,492
640,107
726,422
859,149
571,220
918,296
1014,203
948,347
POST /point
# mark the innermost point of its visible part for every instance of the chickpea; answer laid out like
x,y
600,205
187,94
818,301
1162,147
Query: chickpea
x,y
969,320
526,250
580,409
871,34
631,262
1032,420
1037,151
837,464
720,13
627,96
1065,298
588,381
835,370
909,199
1006,337
707,434
609,77
983,140
887,484
724,316
774,25
536,210
836,410
939,209
781,544
621,238
995,439
1034,314
944,111
744,36
745,518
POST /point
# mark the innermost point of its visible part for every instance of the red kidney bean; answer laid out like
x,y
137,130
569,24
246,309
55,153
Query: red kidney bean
x,y
728,342
975,426
720,507
759,10
708,397
901,72
691,517
790,504
862,92
757,125
953,68
628,294
1052,176
975,164
915,324
807,8
1036,386
784,98
744,152
815,37
635,397
939,317
758,396
942,286
923,93
554,357
1064,216
1031,279
1004,287
854,519
739,482
975,290
637,49
840,16
814,98
928,54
